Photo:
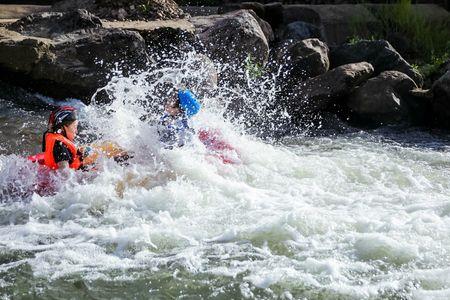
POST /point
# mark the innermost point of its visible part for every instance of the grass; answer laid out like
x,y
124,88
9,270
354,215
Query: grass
x,y
355,39
432,67
428,43
253,68
427,39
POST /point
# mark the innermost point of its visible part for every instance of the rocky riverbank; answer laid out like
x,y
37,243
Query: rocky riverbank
x,y
72,50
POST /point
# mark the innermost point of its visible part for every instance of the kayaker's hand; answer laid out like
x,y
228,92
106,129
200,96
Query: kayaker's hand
x,y
87,151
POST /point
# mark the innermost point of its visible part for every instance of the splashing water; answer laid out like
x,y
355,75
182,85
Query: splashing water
x,y
354,216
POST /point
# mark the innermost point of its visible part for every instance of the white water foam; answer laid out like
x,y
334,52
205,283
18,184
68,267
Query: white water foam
x,y
349,216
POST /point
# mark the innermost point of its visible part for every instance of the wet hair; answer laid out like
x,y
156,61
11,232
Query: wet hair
x,y
171,94
174,101
61,116
66,118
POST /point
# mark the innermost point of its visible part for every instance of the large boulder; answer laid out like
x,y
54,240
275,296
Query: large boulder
x,y
51,24
20,54
70,65
164,38
301,30
256,7
441,101
11,12
233,37
383,99
379,53
274,14
318,93
303,59
337,22
258,12
265,27
124,9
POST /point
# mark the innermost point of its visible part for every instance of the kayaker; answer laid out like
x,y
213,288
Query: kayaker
x,y
60,152
175,127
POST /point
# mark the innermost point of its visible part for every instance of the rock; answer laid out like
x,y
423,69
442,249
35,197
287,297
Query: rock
x,y
258,11
274,14
419,107
121,9
265,27
383,99
70,5
232,37
70,65
320,92
11,11
50,24
303,59
441,101
378,53
195,11
166,37
402,44
302,13
301,30
256,7
337,22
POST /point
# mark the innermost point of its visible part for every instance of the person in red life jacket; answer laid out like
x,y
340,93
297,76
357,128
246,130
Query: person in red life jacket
x,y
60,152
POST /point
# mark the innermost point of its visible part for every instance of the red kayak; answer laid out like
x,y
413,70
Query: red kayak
x,y
211,138
220,148
39,158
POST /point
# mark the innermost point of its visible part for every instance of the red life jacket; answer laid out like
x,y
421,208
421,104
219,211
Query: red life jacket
x,y
49,159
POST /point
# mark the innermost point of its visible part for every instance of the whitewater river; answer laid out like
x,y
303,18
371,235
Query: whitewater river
x,y
357,215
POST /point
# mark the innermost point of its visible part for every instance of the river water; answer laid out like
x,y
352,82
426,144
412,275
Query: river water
x,y
355,215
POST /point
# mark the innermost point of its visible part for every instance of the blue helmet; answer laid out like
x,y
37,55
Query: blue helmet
x,y
188,103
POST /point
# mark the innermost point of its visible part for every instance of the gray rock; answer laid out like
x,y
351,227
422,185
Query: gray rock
x,y
121,9
274,14
303,59
256,7
265,27
50,24
441,101
338,22
165,37
383,99
232,37
419,106
71,65
320,92
380,54
301,30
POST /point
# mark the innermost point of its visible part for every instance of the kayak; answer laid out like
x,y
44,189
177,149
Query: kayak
x,y
39,158
46,185
108,149
218,146
211,138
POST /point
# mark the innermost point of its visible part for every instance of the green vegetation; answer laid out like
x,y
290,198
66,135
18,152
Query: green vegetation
x,y
355,39
433,65
253,68
428,45
144,8
426,39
